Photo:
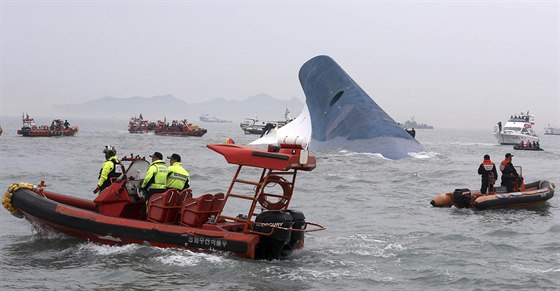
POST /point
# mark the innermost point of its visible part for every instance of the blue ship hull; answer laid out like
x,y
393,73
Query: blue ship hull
x,y
344,117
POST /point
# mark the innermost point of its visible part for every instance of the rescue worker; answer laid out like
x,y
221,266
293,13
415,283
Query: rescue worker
x,y
508,172
108,170
156,177
177,177
488,173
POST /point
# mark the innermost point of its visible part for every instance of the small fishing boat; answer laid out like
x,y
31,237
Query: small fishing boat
x,y
140,125
252,125
179,128
57,128
209,222
525,196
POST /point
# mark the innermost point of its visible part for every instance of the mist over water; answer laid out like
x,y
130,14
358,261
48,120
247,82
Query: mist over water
x,y
381,232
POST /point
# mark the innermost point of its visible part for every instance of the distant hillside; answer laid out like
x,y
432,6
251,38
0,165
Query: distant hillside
x,y
169,106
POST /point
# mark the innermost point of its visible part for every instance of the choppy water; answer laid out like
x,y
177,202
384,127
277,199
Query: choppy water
x,y
382,233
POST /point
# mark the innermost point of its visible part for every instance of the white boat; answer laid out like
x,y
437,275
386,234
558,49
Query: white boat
x,y
208,118
549,130
519,127
252,125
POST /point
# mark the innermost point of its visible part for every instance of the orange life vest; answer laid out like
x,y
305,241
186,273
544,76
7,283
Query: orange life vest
x,y
488,165
503,164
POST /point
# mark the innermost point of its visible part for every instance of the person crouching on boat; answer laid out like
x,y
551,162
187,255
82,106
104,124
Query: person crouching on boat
x,y
108,170
488,172
156,177
508,172
177,177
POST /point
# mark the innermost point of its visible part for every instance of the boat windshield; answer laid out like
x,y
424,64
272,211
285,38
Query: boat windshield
x,y
137,170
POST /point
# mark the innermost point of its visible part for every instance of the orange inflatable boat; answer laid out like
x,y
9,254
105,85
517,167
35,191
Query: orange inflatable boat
x,y
526,196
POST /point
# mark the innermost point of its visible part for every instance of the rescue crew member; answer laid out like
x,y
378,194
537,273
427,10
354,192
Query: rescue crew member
x,y
488,173
156,177
177,177
108,170
508,172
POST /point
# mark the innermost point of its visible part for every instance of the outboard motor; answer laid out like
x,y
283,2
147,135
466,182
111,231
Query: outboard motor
x,y
270,247
297,239
462,198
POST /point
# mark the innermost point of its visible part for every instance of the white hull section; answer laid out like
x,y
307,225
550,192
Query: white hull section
x,y
299,127
514,138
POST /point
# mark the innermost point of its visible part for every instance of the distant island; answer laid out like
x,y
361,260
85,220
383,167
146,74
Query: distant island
x,y
171,107
413,124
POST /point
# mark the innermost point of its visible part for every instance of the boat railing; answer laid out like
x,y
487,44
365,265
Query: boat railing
x,y
519,170
274,228
260,196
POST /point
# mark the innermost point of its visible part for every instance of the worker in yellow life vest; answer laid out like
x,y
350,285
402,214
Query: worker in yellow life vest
x,y
177,177
156,177
488,173
110,169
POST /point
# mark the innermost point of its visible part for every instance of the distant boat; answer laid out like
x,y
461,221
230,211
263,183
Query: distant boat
x,y
1,130
140,125
252,125
549,130
57,128
413,124
179,128
207,118
519,128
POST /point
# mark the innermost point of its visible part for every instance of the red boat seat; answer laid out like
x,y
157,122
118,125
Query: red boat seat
x,y
195,211
163,207
217,203
187,193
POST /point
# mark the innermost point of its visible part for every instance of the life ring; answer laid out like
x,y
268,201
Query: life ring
x,y
286,192
7,199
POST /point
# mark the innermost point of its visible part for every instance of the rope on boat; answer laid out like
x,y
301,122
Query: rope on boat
x,y
7,199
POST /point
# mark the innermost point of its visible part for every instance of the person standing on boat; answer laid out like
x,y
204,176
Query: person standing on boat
x,y
156,177
488,172
66,124
508,172
177,177
108,170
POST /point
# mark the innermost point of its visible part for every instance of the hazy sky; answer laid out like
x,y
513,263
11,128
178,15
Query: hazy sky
x,y
453,64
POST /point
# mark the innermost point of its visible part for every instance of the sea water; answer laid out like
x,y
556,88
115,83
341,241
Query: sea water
x,y
381,231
